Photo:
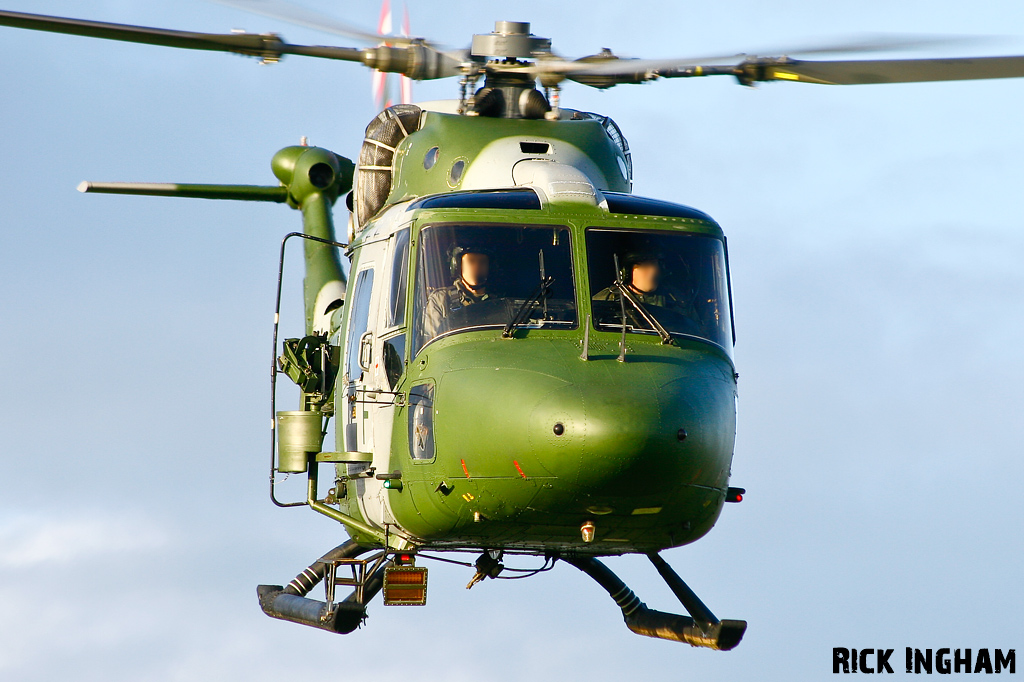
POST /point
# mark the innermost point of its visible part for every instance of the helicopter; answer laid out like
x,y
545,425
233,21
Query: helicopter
x,y
607,341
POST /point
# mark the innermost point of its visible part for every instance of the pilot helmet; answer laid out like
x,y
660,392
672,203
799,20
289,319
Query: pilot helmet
x,y
459,250
642,256
637,256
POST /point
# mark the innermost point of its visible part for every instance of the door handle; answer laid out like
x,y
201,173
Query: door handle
x,y
365,351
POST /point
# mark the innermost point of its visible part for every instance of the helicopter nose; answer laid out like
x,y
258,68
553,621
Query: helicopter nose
x,y
609,438
597,432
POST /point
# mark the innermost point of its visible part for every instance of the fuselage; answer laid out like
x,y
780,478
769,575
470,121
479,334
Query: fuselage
x,y
516,440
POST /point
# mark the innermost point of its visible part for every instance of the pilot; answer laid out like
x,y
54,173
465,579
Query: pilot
x,y
471,268
643,277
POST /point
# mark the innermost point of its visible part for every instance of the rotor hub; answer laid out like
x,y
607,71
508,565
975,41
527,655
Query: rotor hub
x,y
510,40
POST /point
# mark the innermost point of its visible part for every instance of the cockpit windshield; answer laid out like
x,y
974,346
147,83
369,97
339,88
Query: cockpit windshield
x,y
475,276
663,281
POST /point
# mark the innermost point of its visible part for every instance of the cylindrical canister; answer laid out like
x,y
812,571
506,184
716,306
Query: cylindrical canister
x,y
298,434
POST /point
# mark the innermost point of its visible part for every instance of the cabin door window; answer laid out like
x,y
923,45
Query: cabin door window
x,y
358,363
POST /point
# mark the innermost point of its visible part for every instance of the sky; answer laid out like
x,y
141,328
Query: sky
x,y
876,243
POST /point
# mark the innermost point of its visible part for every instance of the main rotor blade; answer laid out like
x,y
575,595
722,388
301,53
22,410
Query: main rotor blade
x,y
606,70
282,10
300,16
880,71
267,46
608,64
416,60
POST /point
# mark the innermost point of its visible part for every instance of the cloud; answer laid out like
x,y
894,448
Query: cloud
x,y
67,595
28,540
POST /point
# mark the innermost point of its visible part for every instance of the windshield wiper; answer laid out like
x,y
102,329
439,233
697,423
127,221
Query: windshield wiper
x,y
541,292
627,295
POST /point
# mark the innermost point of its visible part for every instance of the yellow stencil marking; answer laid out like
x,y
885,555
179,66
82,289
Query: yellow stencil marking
x,y
646,510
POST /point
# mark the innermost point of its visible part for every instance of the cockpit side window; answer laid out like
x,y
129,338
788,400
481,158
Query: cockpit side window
x,y
359,323
480,276
399,279
393,342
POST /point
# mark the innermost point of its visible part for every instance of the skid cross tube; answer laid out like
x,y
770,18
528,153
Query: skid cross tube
x,y
722,635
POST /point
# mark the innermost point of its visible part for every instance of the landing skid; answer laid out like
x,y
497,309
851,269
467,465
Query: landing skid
x,y
290,602
701,628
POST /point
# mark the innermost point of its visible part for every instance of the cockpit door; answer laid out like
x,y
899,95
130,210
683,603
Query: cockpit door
x,y
367,391
360,379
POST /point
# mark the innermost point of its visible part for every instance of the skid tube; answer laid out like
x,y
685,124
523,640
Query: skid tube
x,y
290,602
700,628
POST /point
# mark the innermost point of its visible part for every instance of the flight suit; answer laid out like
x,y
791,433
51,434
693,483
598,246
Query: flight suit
x,y
444,301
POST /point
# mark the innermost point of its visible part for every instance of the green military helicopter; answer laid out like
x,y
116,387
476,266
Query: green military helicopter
x,y
529,359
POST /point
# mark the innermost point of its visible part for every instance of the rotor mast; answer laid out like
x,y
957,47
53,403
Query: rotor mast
x,y
508,92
